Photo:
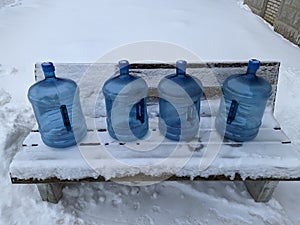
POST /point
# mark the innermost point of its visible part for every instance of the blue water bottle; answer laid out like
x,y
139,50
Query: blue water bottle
x,y
179,104
242,108
126,108
57,109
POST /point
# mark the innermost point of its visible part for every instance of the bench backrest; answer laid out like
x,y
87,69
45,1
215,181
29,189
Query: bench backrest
x,y
91,77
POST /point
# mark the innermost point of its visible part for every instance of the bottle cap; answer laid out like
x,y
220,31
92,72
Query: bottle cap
x,y
48,67
253,65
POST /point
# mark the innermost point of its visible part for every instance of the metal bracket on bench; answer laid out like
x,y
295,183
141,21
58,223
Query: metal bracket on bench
x,y
261,191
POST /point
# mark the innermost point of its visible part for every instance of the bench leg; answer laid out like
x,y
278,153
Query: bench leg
x,y
50,192
261,191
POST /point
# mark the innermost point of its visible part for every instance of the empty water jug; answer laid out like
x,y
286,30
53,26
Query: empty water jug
x,y
242,108
57,109
125,98
179,104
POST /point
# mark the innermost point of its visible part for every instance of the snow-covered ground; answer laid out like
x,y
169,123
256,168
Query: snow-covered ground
x,y
72,31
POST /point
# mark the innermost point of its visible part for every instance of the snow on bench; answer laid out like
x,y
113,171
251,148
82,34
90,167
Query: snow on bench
x,y
270,157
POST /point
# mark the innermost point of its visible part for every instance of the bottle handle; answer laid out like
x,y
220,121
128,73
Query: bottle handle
x,y
232,111
65,117
191,113
140,111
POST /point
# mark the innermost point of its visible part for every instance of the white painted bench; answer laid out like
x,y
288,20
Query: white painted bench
x,y
261,163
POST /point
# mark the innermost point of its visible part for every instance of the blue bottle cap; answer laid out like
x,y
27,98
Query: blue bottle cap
x,y
181,66
253,65
48,67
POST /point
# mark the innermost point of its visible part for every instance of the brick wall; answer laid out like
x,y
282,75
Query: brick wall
x,y
271,10
284,15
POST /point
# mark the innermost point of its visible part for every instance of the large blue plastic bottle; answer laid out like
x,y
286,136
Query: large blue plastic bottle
x,y
57,109
125,98
179,104
242,108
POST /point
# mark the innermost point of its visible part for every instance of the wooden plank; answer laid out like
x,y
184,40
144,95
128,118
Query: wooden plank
x,y
207,136
144,178
227,151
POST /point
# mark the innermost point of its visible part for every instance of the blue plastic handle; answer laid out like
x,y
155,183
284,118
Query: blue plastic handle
x,y
140,111
232,111
65,117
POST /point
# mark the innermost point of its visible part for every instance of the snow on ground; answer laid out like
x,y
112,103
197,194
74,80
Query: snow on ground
x,y
70,31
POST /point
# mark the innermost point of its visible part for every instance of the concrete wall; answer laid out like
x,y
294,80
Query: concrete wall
x,y
284,15
287,21
257,6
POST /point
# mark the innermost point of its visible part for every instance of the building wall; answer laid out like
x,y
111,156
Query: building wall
x,y
284,15
6,2
287,21
257,6
271,10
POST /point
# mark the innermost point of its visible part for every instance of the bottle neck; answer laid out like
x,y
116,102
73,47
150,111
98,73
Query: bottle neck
x,y
49,75
124,72
180,72
251,73
181,68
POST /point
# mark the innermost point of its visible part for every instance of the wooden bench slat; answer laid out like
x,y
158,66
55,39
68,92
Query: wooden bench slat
x,y
265,136
268,133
